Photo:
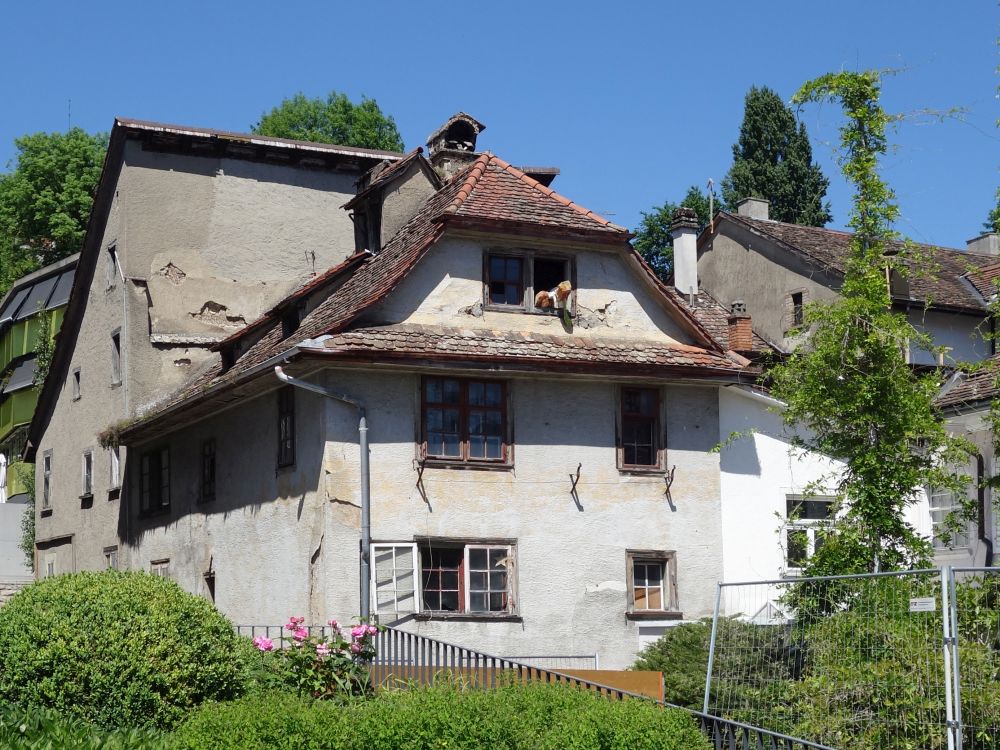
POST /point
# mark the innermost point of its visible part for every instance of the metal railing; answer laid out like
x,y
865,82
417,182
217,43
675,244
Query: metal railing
x,y
406,658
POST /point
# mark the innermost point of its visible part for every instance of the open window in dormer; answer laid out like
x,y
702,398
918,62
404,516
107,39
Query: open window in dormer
x,y
528,281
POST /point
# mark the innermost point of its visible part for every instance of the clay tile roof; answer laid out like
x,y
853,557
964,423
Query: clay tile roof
x,y
512,346
940,280
494,190
984,278
714,317
968,388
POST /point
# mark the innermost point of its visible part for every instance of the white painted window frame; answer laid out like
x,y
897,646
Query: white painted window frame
x,y
467,604
809,525
114,468
417,592
87,473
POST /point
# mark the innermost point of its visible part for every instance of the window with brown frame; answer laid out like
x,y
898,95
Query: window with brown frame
x,y
652,581
506,280
464,420
640,428
465,578
154,481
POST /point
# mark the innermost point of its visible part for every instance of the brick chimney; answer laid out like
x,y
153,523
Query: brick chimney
x,y
753,208
740,328
985,244
684,231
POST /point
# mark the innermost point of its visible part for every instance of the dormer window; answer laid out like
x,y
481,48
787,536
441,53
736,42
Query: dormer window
x,y
515,279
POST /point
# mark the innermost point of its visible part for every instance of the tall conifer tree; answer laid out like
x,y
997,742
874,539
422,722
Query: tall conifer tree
x,y
773,160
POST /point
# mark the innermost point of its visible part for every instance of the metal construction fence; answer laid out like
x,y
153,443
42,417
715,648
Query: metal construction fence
x,y
896,661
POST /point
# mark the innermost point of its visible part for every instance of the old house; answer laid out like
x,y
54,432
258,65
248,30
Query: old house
x,y
776,269
540,410
193,233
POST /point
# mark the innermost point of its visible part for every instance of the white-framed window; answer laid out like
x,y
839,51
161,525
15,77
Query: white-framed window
x,y
443,577
47,480
808,522
651,581
160,567
87,471
949,522
111,558
114,468
395,585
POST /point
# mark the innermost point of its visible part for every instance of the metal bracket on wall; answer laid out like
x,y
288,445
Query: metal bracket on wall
x,y
668,480
575,480
421,465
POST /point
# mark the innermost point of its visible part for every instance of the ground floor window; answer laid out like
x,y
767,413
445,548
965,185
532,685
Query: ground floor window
x,y
111,558
808,524
652,581
443,577
160,568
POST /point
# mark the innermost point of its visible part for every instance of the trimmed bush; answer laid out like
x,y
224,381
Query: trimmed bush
x,y
539,717
117,649
36,728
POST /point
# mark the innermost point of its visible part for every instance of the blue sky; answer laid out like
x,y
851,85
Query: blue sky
x,y
634,101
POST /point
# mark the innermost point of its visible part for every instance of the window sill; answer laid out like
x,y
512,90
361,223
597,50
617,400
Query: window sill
x,y
639,471
114,493
520,309
45,512
444,463
117,384
77,398
467,617
652,614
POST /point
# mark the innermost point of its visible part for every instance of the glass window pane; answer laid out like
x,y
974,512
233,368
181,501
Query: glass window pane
x,y
449,601
497,268
498,581
477,602
498,602
449,580
451,392
477,394
513,271
497,556
654,600
477,581
452,446
477,559
494,447
477,446
432,390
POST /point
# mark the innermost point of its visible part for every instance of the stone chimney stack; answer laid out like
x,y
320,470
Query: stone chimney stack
x,y
740,328
684,231
753,208
453,145
985,244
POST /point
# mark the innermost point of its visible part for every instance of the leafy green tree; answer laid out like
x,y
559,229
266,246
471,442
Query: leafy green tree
x,y
652,238
45,200
773,160
335,119
850,386
992,223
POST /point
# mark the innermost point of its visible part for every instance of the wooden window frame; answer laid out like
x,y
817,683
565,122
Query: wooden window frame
x,y
151,497
87,474
160,567
667,560
463,406
411,547
527,258
659,432
510,610
286,434
111,558
208,470
114,468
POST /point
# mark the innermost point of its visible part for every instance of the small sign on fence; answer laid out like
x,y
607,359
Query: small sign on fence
x,y
923,604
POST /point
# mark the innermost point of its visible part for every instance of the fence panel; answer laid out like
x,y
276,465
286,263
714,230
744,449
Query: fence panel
x,y
848,661
977,632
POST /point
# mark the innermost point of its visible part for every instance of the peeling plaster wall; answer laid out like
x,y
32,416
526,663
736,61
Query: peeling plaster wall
x,y
259,534
446,288
571,562
205,244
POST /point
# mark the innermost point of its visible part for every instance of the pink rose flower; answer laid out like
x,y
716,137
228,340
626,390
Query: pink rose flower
x,y
322,650
359,631
371,630
333,624
263,644
355,648
300,634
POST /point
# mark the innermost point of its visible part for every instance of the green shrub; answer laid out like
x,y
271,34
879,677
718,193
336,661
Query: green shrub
x,y
443,717
117,649
37,728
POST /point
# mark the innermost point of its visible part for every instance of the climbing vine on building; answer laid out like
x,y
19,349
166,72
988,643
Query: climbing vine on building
x,y
44,346
851,386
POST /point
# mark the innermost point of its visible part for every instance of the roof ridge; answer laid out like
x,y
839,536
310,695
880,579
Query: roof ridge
x,y
476,171
547,191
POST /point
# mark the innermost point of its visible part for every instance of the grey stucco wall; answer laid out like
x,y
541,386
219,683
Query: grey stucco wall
x,y
402,199
188,231
735,264
288,543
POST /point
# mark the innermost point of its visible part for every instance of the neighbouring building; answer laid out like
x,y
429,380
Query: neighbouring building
x,y
776,269
34,304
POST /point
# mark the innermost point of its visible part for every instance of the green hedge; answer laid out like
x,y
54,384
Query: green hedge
x,y
117,649
45,729
539,717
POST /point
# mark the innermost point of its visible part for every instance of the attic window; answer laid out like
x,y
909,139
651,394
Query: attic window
x,y
289,322
515,281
